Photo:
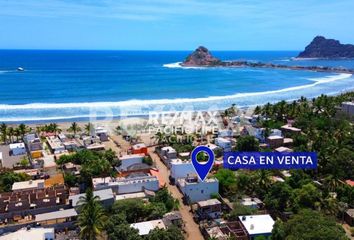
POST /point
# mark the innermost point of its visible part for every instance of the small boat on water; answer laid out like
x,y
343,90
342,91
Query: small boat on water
x,y
20,69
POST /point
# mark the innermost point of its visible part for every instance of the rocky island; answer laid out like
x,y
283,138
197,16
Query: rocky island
x,y
201,57
321,47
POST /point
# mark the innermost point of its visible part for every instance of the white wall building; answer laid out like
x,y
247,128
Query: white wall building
x,y
31,233
145,227
17,149
225,144
128,184
181,169
257,225
56,146
128,160
28,185
225,133
169,152
195,190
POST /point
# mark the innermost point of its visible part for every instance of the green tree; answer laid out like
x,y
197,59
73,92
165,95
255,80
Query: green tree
x,y
163,196
172,233
8,178
278,196
247,144
3,132
308,225
240,210
74,128
308,196
227,181
92,217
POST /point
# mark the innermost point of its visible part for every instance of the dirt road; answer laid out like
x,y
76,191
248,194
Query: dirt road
x,y
191,228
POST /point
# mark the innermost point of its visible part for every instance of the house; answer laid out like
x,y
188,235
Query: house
x,y
56,217
195,190
257,225
106,197
348,108
252,202
55,145
173,218
145,227
184,155
30,233
223,143
290,129
213,147
135,182
34,145
28,185
128,160
17,149
349,217
137,195
224,230
275,141
139,148
168,152
209,209
181,169
283,149
288,142
102,134
30,201
225,133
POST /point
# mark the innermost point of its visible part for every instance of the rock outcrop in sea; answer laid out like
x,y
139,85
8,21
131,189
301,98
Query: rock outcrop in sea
x,y
321,47
201,57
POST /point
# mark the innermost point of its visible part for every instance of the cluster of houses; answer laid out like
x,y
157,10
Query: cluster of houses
x,y
42,206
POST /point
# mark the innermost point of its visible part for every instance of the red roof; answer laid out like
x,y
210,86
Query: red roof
x,y
350,182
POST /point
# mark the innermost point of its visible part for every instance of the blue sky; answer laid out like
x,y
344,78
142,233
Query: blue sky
x,y
172,24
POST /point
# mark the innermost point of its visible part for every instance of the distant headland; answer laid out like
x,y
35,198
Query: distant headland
x,y
202,57
321,47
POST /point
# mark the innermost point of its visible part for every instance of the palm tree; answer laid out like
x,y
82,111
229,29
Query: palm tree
x,y
88,128
263,179
92,217
23,129
11,133
74,128
3,132
54,128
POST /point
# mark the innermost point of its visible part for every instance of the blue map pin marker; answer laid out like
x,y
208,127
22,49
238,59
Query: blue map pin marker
x,y
202,169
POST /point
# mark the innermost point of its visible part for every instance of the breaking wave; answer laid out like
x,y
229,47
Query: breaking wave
x,y
333,84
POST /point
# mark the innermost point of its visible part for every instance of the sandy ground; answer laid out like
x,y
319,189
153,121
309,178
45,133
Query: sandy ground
x,y
191,228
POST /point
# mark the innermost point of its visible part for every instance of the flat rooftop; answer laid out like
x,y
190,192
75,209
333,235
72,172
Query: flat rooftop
x,y
209,202
257,224
145,227
56,215
127,157
28,184
17,145
131,196
32,233
104,194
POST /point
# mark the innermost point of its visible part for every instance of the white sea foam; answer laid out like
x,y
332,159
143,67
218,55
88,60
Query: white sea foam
x,y
143,103
178,65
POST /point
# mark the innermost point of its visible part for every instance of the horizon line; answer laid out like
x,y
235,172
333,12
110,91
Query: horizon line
x,y
147,50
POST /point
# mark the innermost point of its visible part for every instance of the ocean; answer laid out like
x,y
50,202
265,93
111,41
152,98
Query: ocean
x,y
71,85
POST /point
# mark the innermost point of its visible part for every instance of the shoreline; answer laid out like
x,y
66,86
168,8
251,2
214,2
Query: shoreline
x,y
115,120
